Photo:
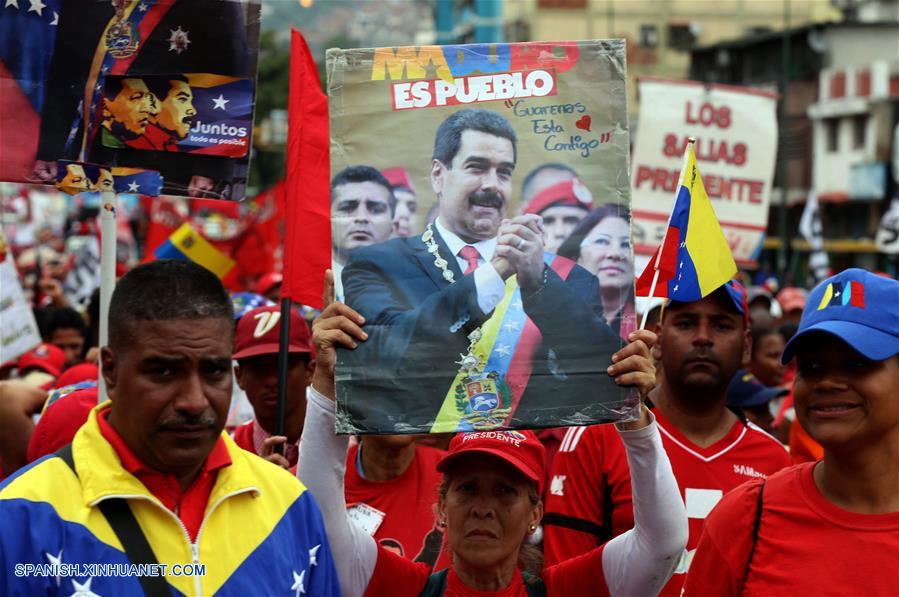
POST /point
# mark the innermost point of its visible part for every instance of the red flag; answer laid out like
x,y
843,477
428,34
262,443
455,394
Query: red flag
x,y
307,235
667,266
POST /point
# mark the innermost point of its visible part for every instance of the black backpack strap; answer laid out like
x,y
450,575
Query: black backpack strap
x,y
533,585
756,524
125,526
436,585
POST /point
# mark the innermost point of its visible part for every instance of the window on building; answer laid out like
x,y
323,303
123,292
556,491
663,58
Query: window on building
x,y
859,128
681,36
832,134
649,36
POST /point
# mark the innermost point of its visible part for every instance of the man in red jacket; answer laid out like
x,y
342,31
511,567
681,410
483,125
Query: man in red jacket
x,y
256,353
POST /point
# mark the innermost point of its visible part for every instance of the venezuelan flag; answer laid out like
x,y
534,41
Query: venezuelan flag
x,y
695,257
137,180
187,243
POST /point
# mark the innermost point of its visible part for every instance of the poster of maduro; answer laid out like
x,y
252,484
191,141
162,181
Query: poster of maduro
x,y
480,224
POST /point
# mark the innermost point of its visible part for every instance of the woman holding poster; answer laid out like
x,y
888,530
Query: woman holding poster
x,y
489,501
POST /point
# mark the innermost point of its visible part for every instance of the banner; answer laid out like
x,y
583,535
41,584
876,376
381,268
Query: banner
x,y
475,323
18,329
736,145
162,85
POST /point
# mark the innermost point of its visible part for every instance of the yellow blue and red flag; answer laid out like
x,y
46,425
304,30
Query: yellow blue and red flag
x,y
694,259
186,243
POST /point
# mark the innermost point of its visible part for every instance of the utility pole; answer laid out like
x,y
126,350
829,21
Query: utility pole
x,y
783,141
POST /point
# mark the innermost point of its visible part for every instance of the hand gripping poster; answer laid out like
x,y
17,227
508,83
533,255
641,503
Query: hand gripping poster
x,y
480,224
158,85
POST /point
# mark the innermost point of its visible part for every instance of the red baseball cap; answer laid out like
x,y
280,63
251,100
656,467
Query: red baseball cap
x,y
521,449
570,192
77,373
398,177
259,332
267,282
792,298
46,357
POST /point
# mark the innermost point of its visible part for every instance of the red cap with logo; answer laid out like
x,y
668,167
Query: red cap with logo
x,y
521,449
46,357
259,332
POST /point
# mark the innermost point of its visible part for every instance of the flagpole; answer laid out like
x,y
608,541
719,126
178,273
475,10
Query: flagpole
x,y
655,266
283,346
107,273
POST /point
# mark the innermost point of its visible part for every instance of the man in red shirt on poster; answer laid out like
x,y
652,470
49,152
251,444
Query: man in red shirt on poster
x,y
829,527
711,449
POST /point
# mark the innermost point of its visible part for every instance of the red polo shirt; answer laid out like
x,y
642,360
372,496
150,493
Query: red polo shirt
x,y
188,505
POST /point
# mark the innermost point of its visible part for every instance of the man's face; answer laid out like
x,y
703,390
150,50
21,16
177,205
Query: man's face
x,y
71,341
258,377
75,179
703,343
132,107
558,222
474,190
105,181
171,390
405,220
843,400
360,216
176,111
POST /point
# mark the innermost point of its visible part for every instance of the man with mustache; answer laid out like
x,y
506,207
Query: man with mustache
x,y
423,296
127,108
174,116
712,449
362,208
151,478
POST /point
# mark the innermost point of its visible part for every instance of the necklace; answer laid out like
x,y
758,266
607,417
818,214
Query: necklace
x,y
469,362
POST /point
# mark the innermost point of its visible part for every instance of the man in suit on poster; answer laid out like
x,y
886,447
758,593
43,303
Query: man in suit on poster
x,y
423,296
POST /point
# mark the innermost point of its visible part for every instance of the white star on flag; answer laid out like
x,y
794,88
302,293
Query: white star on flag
x,y
99,86
55,20
38,7
297,586
516,304
133,186
676,287
512,326
13,3
142,7
55,561
83,590
220,102
312,552
503,350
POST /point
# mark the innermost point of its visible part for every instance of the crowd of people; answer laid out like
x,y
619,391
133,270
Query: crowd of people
x,y
762,457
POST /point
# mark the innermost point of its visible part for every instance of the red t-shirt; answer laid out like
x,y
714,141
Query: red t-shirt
x,y
399,513
589,498
399,577
806,545
189,505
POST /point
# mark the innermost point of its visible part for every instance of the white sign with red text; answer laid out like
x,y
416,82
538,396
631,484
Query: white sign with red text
x,y
736,145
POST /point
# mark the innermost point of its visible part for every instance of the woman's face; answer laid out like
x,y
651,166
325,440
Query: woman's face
x,y
765,363
842,399
488,511
606,252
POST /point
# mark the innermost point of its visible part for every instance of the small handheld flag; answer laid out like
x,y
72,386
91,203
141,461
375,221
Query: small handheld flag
x,y
186,243
694,258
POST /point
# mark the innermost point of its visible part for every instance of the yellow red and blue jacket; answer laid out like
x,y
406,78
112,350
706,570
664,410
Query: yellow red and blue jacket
x,y
262,532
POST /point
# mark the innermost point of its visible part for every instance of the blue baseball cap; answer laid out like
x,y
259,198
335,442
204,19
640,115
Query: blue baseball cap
x,y
856,306
736,292
746,391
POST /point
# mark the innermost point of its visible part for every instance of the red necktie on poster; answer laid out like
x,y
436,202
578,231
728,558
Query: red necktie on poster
x,y
471,255
307,235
